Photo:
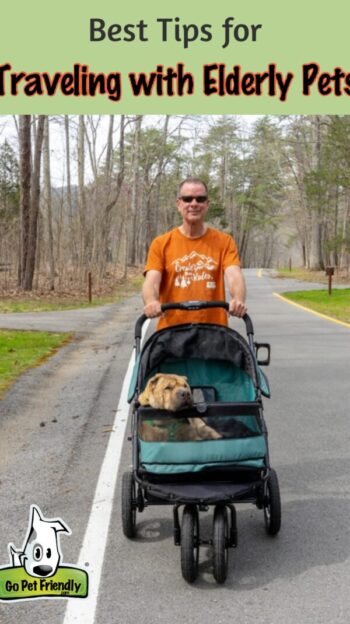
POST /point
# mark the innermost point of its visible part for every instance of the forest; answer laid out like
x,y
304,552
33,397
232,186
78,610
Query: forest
x,y
82,194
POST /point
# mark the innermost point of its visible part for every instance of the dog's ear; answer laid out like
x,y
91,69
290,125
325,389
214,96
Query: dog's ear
x,y
154,380
181,377
143,398
151,384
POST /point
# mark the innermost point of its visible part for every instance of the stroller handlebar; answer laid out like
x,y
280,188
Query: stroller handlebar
x,y
189,306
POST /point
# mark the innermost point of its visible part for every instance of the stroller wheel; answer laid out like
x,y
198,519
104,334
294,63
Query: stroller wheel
x,y
220,543
190,543
128,505
272,505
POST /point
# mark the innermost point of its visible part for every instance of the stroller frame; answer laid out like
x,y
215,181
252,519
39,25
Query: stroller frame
x,y
221,487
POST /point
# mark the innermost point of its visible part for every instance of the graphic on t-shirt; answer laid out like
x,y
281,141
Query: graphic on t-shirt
x,y
194,267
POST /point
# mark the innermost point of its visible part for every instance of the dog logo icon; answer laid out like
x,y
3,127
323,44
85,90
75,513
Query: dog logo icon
x,y
41,550
35,570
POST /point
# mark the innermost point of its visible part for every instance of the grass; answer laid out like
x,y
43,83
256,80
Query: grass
x,y
44,304
336,305
311,276
20,350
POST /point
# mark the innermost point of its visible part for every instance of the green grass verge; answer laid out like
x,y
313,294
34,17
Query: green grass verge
x,y
297,273
307,275
336,305
49,305
20,350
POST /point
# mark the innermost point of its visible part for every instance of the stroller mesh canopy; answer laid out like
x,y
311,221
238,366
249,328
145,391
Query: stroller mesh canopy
x,y
203,342
228,382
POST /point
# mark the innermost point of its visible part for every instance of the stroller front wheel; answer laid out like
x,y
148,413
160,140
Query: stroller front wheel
x,y
190,543
272,505
220,543
128,505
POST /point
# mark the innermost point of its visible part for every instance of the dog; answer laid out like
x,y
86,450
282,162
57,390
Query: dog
x,y
172,392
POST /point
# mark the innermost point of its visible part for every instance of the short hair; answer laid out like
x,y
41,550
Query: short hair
x,y
191,181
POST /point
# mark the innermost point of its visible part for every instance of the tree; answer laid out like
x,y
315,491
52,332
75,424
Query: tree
x,y
25,190
110,187
280,182
315,192
31,238
297,146
9,183
135,188
261,200
48,200
219,164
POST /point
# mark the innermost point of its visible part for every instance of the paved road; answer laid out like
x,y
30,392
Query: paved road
x,y
82,320
301,576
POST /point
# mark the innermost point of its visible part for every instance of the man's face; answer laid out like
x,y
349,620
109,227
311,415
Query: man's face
x,y
193,211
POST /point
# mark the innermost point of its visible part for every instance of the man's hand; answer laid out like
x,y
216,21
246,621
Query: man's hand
x,y
153,309
236,287
237,308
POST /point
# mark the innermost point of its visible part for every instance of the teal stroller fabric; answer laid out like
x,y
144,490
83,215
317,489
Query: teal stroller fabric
x,y
215,358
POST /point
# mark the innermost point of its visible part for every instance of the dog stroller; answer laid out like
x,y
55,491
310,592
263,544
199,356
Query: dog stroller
x,y
227,385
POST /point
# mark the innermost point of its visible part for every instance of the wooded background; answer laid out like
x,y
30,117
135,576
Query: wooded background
x,y
89,193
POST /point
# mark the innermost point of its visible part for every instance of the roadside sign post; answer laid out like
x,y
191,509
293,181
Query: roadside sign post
x,y
89,287
330,273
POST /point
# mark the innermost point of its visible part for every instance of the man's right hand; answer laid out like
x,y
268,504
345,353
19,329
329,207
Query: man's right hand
x,y
153,309
150,293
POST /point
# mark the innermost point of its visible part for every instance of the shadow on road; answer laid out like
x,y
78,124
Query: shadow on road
x,y
314,533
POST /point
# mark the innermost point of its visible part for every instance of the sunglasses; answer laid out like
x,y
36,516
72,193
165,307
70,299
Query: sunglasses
x,y
189,198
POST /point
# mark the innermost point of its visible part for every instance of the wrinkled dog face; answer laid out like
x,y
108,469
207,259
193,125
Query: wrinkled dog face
x,y
169,392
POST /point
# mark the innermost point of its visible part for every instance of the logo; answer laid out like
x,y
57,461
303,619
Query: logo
x,y
35,571
194,267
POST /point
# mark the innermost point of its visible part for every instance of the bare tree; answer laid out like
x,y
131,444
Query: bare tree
x,y
82,194
111,203
281,187
48,200
316,246
34,207
135,190
25,186
71,235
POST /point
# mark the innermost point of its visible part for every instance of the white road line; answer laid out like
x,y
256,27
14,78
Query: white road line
x,y
96,535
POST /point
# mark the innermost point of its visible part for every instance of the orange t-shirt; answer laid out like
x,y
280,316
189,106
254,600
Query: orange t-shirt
x,y
192,270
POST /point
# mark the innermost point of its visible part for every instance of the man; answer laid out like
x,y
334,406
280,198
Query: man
x,y
189,263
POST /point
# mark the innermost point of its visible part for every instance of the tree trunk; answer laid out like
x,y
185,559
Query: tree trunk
x,y
316,252
111,203
154,223
34,206
109,154
81,194
69,192
344,255
135,191
48,202
25,185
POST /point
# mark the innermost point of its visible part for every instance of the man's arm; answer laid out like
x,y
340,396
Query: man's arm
x,y
150,293
236,286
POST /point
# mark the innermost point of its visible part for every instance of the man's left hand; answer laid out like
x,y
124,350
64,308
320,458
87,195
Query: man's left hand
x,y
237,308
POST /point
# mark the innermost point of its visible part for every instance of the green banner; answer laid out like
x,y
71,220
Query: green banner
x,y
68,582
157,57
